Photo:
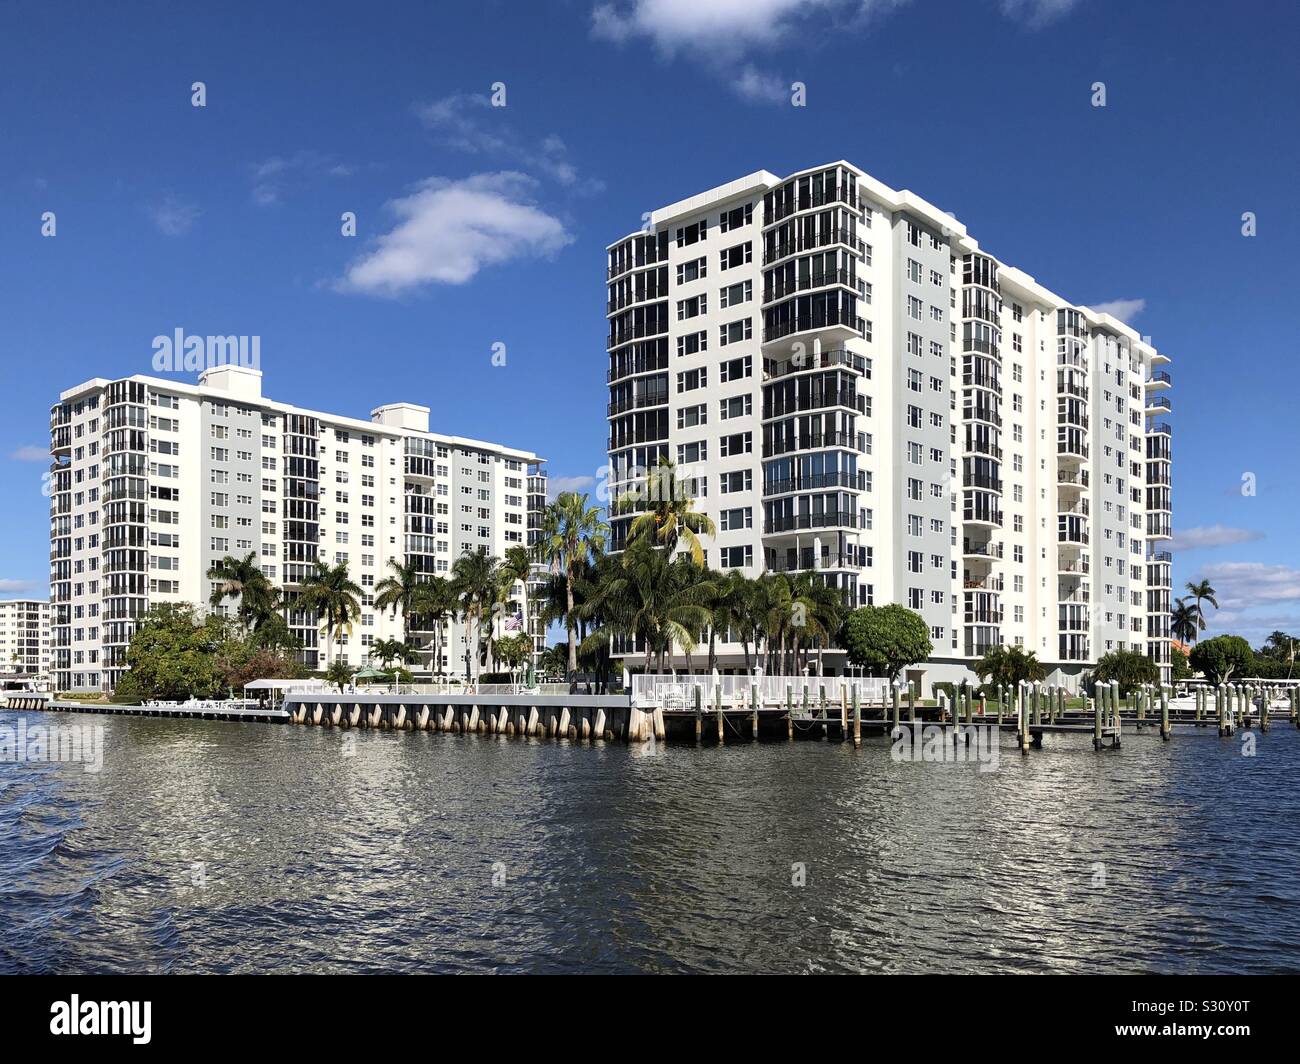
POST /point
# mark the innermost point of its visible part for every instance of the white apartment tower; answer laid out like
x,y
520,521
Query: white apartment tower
x,y
154,480
24,643
850,386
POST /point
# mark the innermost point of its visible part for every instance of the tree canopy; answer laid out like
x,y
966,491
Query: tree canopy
x,y
1222,657
885,639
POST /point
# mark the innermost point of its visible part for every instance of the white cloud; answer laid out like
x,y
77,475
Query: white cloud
x,y
16,587
1123,309
173,216
31,453
755,85
1037,13
1242,585
556,485
271,177
722,34
449,230
729,27
1211,536
468,122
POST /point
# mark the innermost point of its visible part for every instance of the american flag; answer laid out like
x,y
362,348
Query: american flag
x,y
515,623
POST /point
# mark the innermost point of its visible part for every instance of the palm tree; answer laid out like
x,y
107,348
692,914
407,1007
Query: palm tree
x,y
331,595
1201,591
398,590
1185,620
572,532
432,604
476,583
655,599
666,513
1010,666
820,607
728,610
243,579
386,651
516,568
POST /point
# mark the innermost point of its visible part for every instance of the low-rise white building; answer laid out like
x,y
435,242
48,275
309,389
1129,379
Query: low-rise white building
x,y
25,643
155,480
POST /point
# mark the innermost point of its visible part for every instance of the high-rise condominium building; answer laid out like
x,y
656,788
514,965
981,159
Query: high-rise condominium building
x,y
155,480
849,386
24,642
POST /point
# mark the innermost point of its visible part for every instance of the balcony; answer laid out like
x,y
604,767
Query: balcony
x,y
854,481
982,480
639,402
810,562
973,549
828,238
778,290
1159,404
1074,567
1160,428
828,359
798,522
845,397
814,442
1158,380
834,320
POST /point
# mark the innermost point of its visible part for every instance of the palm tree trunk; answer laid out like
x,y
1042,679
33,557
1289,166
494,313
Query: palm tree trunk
x,y
570,624
713,651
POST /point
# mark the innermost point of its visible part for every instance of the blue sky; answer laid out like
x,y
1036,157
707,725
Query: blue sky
x,y
480,225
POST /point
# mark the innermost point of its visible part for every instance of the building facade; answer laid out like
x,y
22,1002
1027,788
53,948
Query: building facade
x,y
848,385
154,481
25,643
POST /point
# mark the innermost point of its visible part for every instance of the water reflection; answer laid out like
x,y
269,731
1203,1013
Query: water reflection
x,y
221,847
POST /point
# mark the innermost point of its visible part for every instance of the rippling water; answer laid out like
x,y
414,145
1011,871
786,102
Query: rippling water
x,y
216,847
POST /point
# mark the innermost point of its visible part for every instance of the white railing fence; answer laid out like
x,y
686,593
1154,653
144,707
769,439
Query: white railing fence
x,y
443,688
678,692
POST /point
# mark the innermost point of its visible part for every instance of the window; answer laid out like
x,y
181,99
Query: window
x,y
741,517
692,343
735,331
737,369
691,234
736,256
691,271
736,293
735,218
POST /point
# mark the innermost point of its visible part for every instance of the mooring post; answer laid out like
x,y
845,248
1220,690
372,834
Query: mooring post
x,y
911,701
1221,704
1096,720
857,719
897,699
1164,713
699,716
789,712
1002,703
717,705
1263,709
753,702
1024,720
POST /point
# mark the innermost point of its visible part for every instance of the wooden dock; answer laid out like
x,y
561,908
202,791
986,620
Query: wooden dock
x,y
1030,713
